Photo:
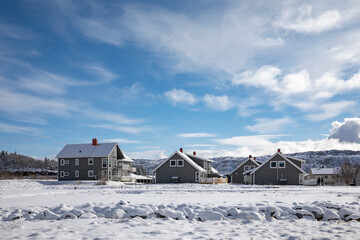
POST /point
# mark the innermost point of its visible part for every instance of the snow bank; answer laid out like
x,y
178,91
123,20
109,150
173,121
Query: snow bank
x,y
321,211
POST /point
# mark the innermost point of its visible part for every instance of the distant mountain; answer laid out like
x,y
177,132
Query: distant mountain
x,y
225,165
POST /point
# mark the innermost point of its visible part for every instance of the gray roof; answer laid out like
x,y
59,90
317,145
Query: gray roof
x,y
86,150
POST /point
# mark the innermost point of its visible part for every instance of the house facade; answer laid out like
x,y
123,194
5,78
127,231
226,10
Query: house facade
x,y
238,176
181,167
330,175
94,161
279,169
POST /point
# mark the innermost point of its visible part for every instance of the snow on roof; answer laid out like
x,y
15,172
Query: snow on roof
x,y
135,176
325,171
86,150
296,159
200,158
213,170
127,158
186,158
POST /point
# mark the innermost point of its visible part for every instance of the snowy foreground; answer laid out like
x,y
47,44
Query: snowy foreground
x,y
31,209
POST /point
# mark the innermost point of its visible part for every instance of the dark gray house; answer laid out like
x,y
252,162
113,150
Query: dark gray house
x,y
237,176
94,161
279,169
182,167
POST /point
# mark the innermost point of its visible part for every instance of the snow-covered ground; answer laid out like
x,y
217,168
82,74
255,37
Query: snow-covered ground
x,y
31,209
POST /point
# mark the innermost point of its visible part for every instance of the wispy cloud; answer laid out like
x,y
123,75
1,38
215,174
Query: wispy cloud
x,y
105,75
126,129
120,140
195,135
267,125
10,128
16,32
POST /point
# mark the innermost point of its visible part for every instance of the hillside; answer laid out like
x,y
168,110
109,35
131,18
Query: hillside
x,y
17,162
331,158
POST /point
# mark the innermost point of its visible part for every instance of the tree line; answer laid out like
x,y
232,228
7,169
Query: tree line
x,y
14,161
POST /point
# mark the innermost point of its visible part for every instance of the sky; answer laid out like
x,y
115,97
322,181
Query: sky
x,y
223,78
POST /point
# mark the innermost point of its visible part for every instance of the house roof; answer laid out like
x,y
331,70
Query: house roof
x,y
243,162
89,151
200,158
328,171
296,159
284,157
186,158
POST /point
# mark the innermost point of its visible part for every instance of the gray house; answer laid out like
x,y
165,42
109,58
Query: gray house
x,y
182,167
94,161
279,169
247,165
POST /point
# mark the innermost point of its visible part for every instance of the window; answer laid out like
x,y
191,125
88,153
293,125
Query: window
x,y
104,160
76,161
246,167
197,178
273,164
110,175
326,176
66,161
180,163
252,166
62,174
90,173
110,160
90,161
172,163
66,174
62,162
281,164
104,173
76,173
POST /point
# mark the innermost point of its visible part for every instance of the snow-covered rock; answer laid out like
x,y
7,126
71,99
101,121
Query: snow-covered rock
x,y
345,212
330,214
304,213
210,216
251,216
167,212
115,213
353,217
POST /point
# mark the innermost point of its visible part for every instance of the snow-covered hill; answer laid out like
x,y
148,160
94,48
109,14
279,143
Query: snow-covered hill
x,y
331,158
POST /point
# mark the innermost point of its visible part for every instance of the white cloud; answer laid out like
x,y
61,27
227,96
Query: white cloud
x,y
302,20
220,103
180,96
152,154
15,32
267,125
195,135
266,76
347,131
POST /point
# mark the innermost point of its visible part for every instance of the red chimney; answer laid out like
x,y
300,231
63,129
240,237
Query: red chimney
x,y
250,156
94,142
181,150
194,153
279,151
254,158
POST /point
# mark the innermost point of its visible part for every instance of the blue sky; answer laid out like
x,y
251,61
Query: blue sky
x,y
224,78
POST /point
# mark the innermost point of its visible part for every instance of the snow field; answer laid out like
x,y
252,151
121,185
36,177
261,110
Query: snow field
x,y
32,209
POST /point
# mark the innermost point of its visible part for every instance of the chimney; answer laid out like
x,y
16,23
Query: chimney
x,y
194,153
250,156
279,151
94,142
181,150
254,158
